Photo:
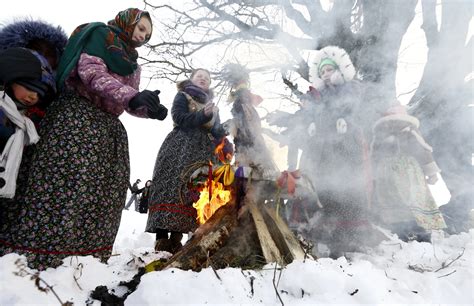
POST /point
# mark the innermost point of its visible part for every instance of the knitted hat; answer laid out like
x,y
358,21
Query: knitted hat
x,y
28,68
18,63
34,85
326,61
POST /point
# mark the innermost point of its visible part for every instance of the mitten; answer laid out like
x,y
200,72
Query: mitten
x,y
151,101
158,111
144,98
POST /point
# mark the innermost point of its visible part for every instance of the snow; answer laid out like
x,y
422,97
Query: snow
x,y
393,273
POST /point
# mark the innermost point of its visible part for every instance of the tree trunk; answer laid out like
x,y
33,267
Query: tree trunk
x,y
441,101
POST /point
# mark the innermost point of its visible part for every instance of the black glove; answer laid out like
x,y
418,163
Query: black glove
x,y
158,111
151,101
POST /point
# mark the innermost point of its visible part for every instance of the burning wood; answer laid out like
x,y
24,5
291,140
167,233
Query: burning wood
x,y
239,231
212,197
248,234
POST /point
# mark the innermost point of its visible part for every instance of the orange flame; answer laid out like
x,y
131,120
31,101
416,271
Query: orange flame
x,y
219,152
208,204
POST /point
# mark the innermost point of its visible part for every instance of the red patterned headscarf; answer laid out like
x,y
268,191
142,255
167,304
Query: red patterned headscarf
x,y
127,20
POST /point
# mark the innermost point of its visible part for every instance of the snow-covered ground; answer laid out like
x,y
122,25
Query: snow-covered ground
x,y
394,273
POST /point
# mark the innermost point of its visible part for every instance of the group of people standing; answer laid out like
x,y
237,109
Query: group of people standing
x,y
366,161
67,195
139,197
72,184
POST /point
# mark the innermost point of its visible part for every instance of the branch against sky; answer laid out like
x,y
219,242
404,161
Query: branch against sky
x,y
197,28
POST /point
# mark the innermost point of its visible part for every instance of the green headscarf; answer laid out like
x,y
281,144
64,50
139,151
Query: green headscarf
x,y
112,43
327,61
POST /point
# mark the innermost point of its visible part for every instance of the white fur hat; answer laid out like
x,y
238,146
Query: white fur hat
x,y
346,70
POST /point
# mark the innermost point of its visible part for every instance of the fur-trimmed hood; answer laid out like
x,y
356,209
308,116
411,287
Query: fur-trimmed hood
x,y
395,119
345,68
399,120
393,124
21,32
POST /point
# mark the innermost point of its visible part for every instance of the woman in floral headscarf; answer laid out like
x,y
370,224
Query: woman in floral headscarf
x,y
73,185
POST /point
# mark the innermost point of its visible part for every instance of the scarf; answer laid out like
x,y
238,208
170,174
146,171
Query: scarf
x,y
112,43
198,94
10,158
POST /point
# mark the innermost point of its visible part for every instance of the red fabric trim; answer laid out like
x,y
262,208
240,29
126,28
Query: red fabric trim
x,y
40,251
174,208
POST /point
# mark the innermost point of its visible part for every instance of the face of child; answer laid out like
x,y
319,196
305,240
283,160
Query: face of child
x,y
142,31
201,79
326,72
25,95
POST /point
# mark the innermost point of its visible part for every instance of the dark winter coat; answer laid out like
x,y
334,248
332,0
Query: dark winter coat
x,y
144,199
339,144
190,142
339,167
134,189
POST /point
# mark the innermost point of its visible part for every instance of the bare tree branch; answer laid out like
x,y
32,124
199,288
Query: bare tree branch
x,y
430,25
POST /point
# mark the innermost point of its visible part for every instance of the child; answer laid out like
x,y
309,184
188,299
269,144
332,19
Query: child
x,y
28,80
403,165
45,38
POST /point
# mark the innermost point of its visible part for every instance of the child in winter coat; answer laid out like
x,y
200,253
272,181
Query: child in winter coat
x,y
28,80
404,164
46,39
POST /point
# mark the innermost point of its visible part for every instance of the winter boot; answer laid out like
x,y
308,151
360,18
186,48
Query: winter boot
x,y
175,242
163,245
